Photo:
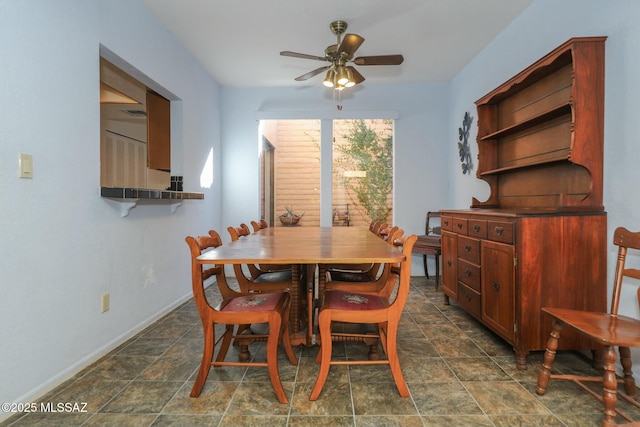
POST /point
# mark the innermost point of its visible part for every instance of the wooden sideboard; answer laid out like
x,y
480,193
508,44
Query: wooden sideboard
x,y
540,238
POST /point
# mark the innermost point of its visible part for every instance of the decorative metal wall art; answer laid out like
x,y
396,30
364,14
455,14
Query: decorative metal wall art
x,y
463,144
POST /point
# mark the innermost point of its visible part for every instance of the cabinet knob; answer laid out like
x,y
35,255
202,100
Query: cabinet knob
x,y
495,286
449,263
476,228
446,222
499,231
467,248
467,297
459,225
467,273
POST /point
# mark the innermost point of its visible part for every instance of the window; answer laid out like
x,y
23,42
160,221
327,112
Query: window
x,y
290,169
361,171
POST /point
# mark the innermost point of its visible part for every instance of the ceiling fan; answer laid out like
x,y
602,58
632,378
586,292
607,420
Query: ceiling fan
x,y
339,74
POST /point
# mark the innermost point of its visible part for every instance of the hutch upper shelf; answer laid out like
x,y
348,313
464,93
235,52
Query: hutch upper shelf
x,y
540,134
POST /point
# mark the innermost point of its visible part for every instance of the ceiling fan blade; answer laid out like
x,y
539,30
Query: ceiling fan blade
x,y
357,77
350,43
302,55
379,60
312,73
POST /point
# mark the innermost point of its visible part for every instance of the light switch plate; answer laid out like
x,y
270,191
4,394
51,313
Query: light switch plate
x,y
105,302
25,162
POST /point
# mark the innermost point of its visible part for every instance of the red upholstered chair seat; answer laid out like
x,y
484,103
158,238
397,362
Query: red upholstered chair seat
x,y
340,300
254,302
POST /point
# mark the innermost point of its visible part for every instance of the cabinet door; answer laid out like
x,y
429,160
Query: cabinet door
x,y
498,288
449,264
158,132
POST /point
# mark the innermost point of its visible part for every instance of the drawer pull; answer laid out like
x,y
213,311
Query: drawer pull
x,y
495,286
446,222
449,263
476,228
467,273
467,248
499,231
459,225
467,297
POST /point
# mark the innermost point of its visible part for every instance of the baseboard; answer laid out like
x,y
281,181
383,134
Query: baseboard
x,y
76,368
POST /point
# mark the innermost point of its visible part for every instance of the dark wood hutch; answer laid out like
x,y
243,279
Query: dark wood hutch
x,y
540,238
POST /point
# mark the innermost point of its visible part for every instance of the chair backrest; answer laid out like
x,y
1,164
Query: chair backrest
x,y
387,276
201,273
257,226
433,223
394,234
625,240
236,232
379,227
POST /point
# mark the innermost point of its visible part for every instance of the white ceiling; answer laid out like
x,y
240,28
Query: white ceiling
x,y
239,41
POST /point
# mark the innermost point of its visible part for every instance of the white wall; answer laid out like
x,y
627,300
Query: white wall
x,y
62,245
422,147
539,29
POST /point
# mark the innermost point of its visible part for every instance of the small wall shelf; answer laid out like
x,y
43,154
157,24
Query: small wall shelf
x,y
128,198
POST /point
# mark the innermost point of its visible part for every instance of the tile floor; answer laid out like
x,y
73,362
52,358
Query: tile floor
x,y
458,372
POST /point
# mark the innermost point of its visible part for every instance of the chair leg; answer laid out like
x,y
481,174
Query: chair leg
x,y
324,322
549,356
610,386
286,338
272,359
394,362
207,357
629,381
424,261
226,342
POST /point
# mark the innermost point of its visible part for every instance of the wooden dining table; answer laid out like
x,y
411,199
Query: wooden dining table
x,y
305,247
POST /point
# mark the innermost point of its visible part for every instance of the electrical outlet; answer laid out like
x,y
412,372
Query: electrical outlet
x,y
105,302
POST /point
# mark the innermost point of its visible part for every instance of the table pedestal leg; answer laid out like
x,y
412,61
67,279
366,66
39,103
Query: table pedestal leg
x,y
294,319
311,272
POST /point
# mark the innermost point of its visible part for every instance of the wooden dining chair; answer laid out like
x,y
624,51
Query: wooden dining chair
x,y
606,331
429,243
357,272
365,308
364,281
262,272
237,310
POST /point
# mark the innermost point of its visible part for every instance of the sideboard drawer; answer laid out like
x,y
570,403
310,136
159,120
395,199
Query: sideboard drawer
x,y
470,300
446,223
459,225
469,249
500,231
469,274
477,228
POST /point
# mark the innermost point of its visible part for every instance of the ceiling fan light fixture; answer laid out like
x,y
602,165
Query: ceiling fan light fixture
x,y
350,81
330,78
341,76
